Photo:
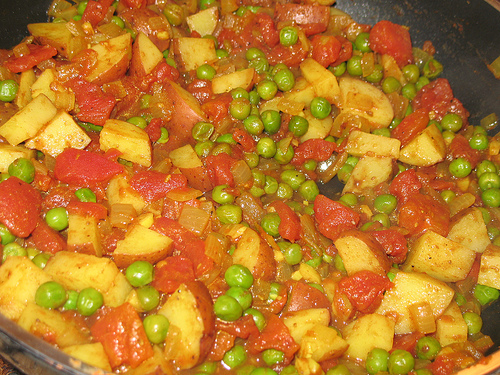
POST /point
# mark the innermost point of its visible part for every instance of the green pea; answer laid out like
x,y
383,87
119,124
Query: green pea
x,y
400,362
338,70
252,159
81,7
382,219
245,370
23,169
423,371
271,120
394,123
310,165
409,91
491,197
13,249
138,121
485,166
235,356
227,308
320,108
421,82
384,132
163,136
377,361
289,370
339,369
57,218
148,297
460,167
221,53
202,131
270,223
284,79
293,178
479,141
221,196
293,254
362,42
349,199
448,195
156,327
239,92
144,101
267,89
50,295
289,36
473,321
427,348
240,108
354,66
72,298
139,273
352,160
376,75
273,356
253,125
203,149
253,97
485,294
238,275
411,72
229,214
390,85
493,232
391,276
298,125
242,295
285,191
263,371
8,90
385,203
486,215
89,301
452,122
226,138
253,53
258,317
339,263
284,157
6,236
489,180
271,185
207,367
309,190
432,69
344,173
266,147
41,260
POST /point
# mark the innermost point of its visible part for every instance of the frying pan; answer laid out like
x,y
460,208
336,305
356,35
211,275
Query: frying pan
x,y
466,34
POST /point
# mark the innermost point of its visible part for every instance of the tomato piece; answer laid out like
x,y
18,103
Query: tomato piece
x,y
421,213
325,49
219,169
279,303
392,39
333,217
93,209
121,333
243,327
267,29
445,364
405,185
224,341
153,185
172,272
411,126
394,244
134,3
303,296
153,129
275,335
47,239
312,19
82,167
313,149
345,50
95,105
365,289
289,227
460,148
244,139
26,62
95,11
407,342
20,206
218,108
291,56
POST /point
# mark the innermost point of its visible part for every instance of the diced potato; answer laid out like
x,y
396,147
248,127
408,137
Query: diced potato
x,y
83,235
413,288
52,324
24,93
204,22
145,56
43,83
308,366
141,243
28,121
489,271
303,92
317,128
60,133
439,257
19,281
323,81
190,53
360,252
79,271
365,100
185,157
369,172
132,141
119,191
299,322
427,148
322,343
391,69
361,143
55,34
451,327
227,82
92,354
9,153
470,230
367,333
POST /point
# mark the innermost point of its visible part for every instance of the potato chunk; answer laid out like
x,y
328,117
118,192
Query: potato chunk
x,y
469,229
451,327
361,143
9,153
299,322
369,172
489,271
322,343
427,148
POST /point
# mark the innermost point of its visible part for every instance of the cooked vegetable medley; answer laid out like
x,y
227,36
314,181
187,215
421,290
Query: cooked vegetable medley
x,y
162,197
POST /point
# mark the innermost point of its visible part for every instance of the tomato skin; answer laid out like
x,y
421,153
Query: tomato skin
x,y
325,49
172,272
218,108
244,139
393,243
47,239
392,39
365,289
333,217
421,213
95,11
82,167
411,126
289,227
219,169
93,209
267,28
36,56
122,335
313,19
405,185
20,206
302,296
345,50
407,342
460,148
313,149
243,327
153,185
153,129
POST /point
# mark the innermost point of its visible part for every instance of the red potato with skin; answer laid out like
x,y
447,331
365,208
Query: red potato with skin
x,y
312,18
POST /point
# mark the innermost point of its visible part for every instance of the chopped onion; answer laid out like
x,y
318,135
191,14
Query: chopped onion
x,y
494,67
367,64
241,172
195,219
489,122
461,202
423,317
121,215
216,245
331,166
184,194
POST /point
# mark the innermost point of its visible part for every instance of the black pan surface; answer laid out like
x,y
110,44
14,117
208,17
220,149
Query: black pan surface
x,y
466,34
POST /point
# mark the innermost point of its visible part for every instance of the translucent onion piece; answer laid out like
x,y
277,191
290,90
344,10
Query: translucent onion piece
x,y
241,172
422,316
121,215
216,246
195,219
184,195
461,202
490,122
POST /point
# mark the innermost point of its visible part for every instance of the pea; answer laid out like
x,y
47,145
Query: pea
x,y
144,101
344,173
258,317
240,108
156,327
428,348
238,275
271,185
202,131
229,214
377,361
226,138
252,159
298,125
448,195
203,149
394,123
338,70
13,249
432,69
270,223
148,297
260,65
385,203
354,66
227,308
339,369
289,36
266,147
411,72
221,196
289,370
89,301
174,14
491,197
292,254
41,260
267,89
320,108
139,273
382,219
273,356
221,53
384,132
285,191
263,371
72,298
8,90
376,75
486,215
485,166
50,295
284,79
170,61
473,321
138,121
390,85
283,157
293,178
81,7
57,218
460,167
362,42
485,294
423,371
271,120
242,295
309,190
479,141
400,362
235,356
421,82
254,97
253,53
259,178
489,180
409,91
310,165
207,367
253,125
23,169
6,236
452,122
349,199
